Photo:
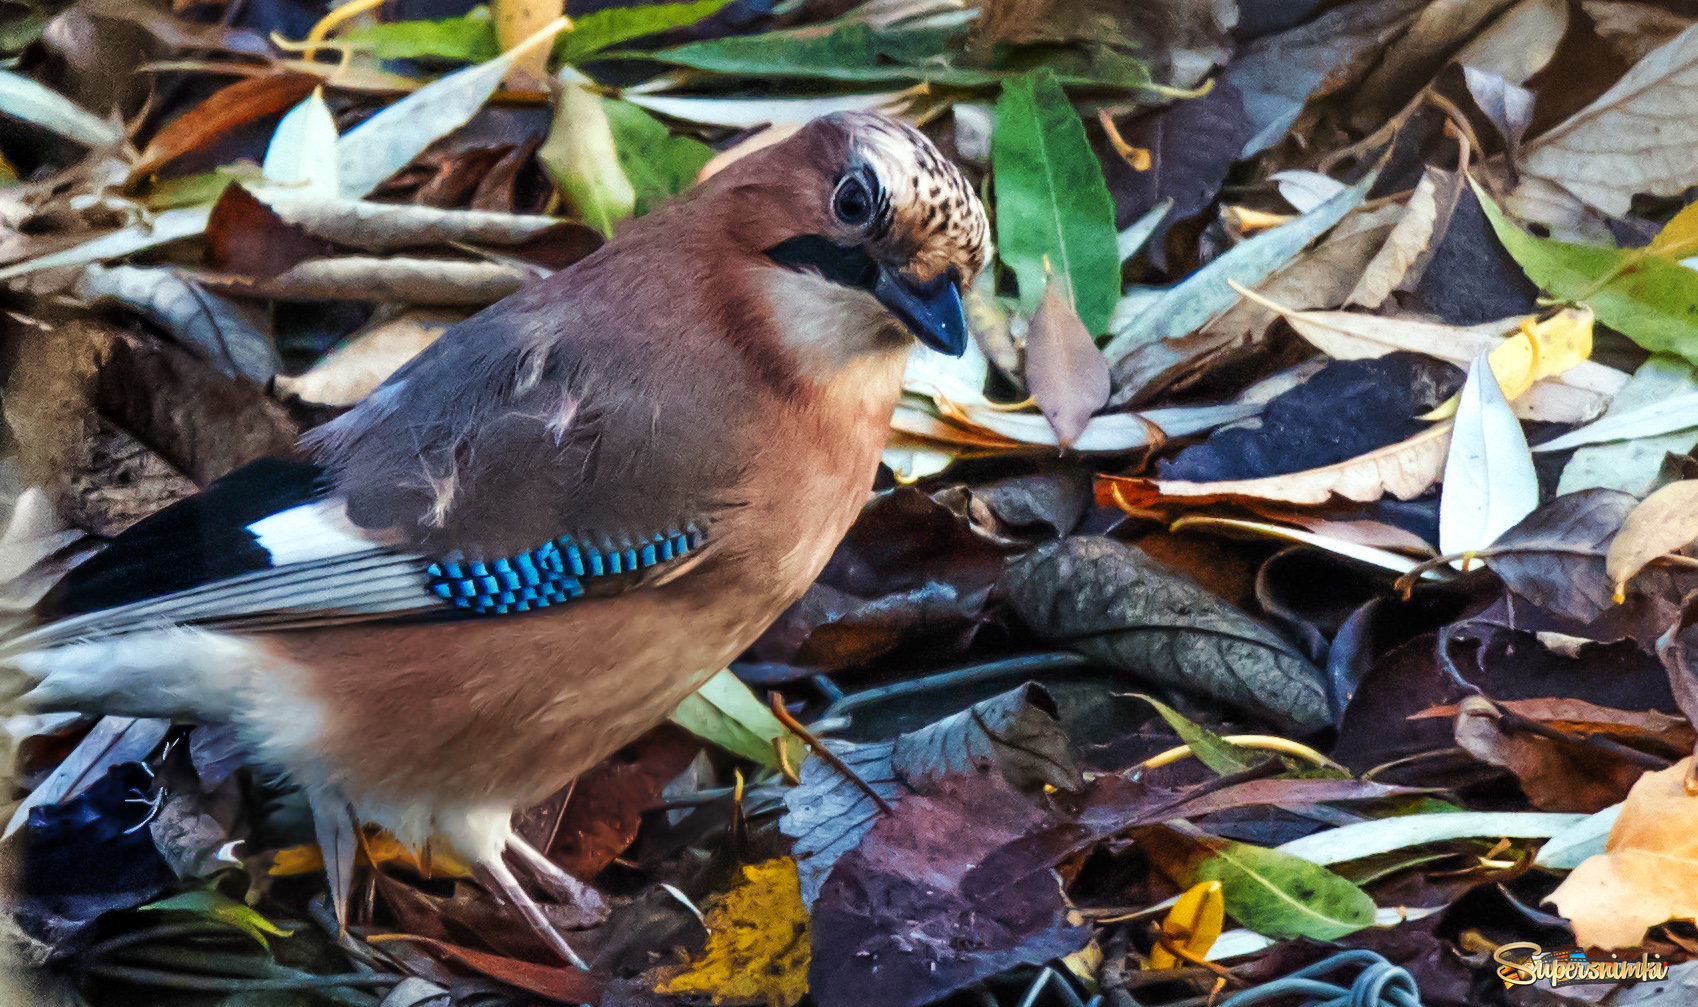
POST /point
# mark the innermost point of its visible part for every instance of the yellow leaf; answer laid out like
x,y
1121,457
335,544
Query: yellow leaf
x,y
758,944
385,849
1662,522
1679,237
1539,350
517,20
1192,925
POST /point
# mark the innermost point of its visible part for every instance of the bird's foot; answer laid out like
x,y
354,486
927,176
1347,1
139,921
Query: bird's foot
x,y
500,879
552,879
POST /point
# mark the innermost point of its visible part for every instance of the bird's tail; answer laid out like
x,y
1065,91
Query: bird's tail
x,y
153,673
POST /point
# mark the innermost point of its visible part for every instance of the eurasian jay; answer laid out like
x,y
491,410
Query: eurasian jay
x,y
537,537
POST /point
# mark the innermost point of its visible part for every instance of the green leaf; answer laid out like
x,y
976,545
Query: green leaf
x,y
595,32
1275,894
470,38
213,905
658,164
1649,299
1051,199
581,155
848,49
726,713
1211,749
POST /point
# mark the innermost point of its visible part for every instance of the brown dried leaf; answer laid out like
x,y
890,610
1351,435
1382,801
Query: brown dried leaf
x,y
399,279
1557,774
1662,523
1065,371
237,105
365,360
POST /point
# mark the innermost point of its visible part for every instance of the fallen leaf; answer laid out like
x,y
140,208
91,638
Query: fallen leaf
x,y
302,154
1269,891
1065,371
564,985
726,713
233,106
1507,105
580,155
1634,30
1406,243
34,102
1489,482
1654,416
1663,522
517,20
1193,924
1633,139
383,144
1646,874
1053,200
758,946
1105,599
1017,733
231,336
1554,557
364,360
398,279
1518,43
1557,774
603,808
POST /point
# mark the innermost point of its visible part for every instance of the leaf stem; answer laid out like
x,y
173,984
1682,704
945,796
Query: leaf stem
x,y
784,717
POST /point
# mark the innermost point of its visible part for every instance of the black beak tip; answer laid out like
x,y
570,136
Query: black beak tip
x,y
932,311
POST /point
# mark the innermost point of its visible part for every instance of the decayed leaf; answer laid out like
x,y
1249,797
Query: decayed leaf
x,y
397,279
34,102
1108,600
1489,482
1016,732
390,227
1636,137
758,943
1065,371
349,372
1052,200
1518,44
1193,925
1662,523
580,155
1270,892
1648,872
227,333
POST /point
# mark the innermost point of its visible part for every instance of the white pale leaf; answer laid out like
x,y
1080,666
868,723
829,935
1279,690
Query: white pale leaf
x,y
165,227
1585,838
1305,190
383,144
747,113
1385,559
1667,416
302,154
1637,137
1133,238
1384,835
1635,464
23,98
1489,482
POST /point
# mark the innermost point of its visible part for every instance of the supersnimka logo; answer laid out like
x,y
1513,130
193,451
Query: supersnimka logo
x,y
1523,963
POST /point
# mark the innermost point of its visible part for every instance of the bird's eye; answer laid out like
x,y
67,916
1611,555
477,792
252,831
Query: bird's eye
x,y
853,203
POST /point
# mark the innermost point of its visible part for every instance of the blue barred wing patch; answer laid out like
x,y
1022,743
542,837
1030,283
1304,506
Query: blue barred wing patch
x,y
552,573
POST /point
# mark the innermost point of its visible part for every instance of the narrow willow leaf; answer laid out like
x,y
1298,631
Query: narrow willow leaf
x,y
1366,839
383,144
594,32
658,164
1489,482
581,156
726,713
470,38
1052,200
25,99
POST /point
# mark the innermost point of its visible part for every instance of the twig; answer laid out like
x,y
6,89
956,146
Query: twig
x,y
819,749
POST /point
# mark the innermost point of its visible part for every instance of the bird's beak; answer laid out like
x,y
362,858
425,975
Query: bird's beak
x,y
931,311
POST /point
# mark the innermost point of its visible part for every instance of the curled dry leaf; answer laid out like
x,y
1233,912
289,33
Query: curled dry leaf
x,y
398,279
1554,557
1661,524
1406,243
1648,872
1065,371
1559,773
1404,470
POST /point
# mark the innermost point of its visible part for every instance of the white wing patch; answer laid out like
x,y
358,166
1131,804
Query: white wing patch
x,y
310,533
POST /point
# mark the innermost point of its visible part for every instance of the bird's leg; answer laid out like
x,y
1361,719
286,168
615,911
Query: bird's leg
x,y
551,877
504,881
333,820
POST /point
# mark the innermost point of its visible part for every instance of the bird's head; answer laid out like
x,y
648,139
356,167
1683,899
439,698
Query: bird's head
x,y
871,204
